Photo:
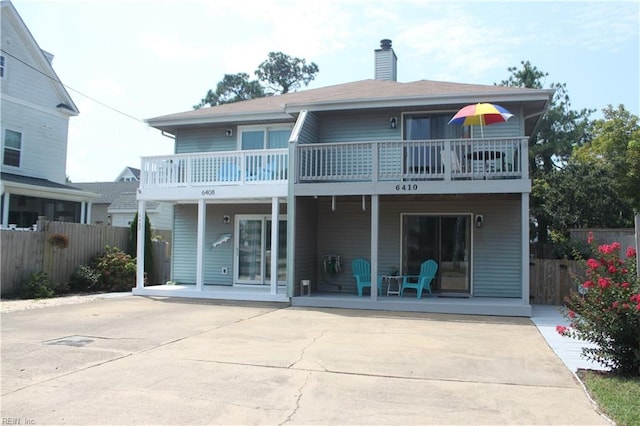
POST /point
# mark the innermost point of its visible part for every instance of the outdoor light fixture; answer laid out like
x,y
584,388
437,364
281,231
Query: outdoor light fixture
x,y
228,132
479,221
393,122
226,219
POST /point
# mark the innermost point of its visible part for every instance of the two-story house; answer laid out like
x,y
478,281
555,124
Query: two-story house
x,y
281,191
34,124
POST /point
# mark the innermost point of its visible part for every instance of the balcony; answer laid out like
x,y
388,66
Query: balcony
x,y
228,168
423,160
462,165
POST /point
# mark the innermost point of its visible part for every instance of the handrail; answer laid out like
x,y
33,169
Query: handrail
x,y
444,159
215,168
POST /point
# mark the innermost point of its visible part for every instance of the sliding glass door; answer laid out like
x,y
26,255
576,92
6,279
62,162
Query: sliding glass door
x,y
443,238
253,242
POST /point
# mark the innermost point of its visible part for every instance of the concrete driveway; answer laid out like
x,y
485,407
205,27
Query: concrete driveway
x,y
168,361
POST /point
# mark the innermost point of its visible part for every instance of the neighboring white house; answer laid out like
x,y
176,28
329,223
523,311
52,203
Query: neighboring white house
x,y
129,174
117,205
125,206
108,193
34,124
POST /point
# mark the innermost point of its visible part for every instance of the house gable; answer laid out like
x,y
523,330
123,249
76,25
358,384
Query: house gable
x,y
29,75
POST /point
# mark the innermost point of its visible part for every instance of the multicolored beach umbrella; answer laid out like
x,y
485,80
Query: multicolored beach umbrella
x,y
481,114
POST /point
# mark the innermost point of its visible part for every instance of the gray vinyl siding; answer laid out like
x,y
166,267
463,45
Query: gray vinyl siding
x,y
215,258
496,247
498,250
349,127
374,126
306,253
309,131
501,130
209,139
183,268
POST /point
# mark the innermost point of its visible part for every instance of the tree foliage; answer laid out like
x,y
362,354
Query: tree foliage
x,y
616,147
560,130
232,88
582,196
282,73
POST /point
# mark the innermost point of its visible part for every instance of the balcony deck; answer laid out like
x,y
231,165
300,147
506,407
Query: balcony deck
x,y
215,175
390,166
447,159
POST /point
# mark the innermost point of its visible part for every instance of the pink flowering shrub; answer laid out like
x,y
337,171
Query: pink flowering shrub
x,y
606,310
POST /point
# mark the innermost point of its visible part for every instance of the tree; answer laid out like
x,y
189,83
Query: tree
x,y
581,196
559,131
282,72
616,146
232,88
148,247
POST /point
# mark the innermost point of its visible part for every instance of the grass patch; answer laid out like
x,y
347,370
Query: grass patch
x,y
617,396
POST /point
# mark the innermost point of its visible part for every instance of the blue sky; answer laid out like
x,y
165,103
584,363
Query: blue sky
x,y
147,58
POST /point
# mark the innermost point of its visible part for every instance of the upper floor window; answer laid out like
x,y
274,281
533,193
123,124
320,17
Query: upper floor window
x,y
12,148
264,138
432,126
1,66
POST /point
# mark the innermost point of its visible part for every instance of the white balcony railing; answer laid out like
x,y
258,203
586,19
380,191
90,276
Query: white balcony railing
x,y
448,159
215,168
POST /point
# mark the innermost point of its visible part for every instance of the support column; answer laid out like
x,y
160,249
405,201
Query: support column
x,y
5,210
275,232
202,214
83,211
89,207
375,219
140,248
524,220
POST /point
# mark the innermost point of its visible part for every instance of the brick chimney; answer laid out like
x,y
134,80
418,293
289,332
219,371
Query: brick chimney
x,y
386,62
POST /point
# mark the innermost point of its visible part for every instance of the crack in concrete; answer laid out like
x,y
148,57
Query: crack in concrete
x,y
304,349
297,407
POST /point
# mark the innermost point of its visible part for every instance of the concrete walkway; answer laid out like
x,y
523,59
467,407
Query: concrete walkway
x,y
169,361
546,318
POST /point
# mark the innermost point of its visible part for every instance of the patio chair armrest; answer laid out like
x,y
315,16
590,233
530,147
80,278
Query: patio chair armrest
x,y
405,278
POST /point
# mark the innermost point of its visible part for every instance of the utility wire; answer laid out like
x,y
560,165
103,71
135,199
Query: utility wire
x,y
57,80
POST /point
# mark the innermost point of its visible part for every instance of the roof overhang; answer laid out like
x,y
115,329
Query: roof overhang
x,y
170,125
63,194
422,100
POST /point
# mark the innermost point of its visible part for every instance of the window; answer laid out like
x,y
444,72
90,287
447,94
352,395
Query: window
x,y
1,66
423,157
427,126
12,148
264,138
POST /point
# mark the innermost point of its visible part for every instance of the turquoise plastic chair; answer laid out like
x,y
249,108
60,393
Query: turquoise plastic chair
x,y
428,271
228,172
361,269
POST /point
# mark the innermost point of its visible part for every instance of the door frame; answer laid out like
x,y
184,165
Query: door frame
x,y
470,217
263,257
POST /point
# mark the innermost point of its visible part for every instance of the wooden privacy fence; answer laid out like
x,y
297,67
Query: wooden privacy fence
x,y
26,252
551,280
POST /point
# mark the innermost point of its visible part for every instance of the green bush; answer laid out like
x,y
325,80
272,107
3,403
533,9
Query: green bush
x,y
606,310
38,286
117,270
84,278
